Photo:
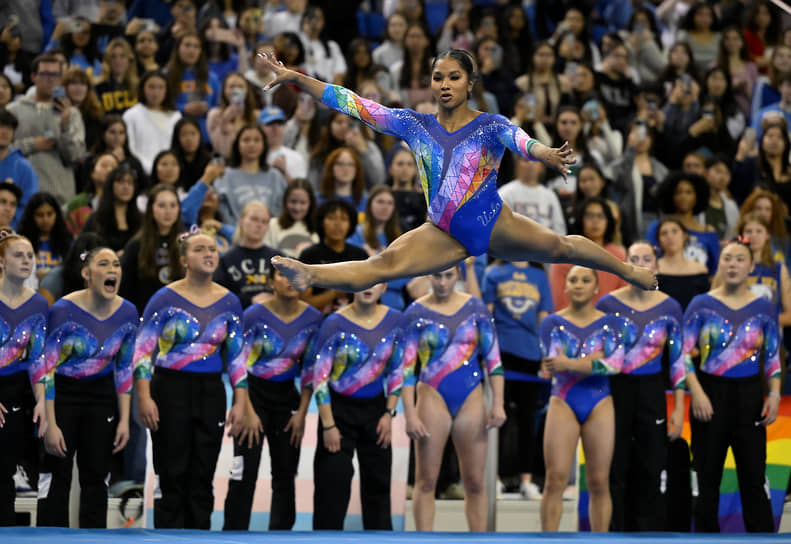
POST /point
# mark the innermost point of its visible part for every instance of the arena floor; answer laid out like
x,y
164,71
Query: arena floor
x,y
141,536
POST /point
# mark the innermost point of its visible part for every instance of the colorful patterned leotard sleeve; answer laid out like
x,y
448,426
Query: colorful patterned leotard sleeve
x,y
358,362
646,334
452,350
560,336
80,346
22,334
273,350
179,335
458,170
731,341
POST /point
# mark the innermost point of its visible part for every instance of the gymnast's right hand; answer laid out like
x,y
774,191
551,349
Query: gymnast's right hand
x,y
701,406
282,74
415,428
332,439
54,443
149,413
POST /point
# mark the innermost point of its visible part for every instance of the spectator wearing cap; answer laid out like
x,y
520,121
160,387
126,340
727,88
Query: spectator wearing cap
x,y
51,133
290,162
783,107
14,167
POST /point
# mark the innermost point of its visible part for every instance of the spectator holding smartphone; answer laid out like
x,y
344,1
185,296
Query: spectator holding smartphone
x,y
53,137
236,109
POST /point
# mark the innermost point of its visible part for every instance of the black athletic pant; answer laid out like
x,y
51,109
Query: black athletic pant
x,y
17,398
517,442
638,476
737,405
274,403
86,412
186,446
332,472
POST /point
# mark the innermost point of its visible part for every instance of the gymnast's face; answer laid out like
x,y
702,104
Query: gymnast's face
x,y
581,285
282,287
450,83
370,295
443,283
18,259
736,262
642,254
102,274
201,255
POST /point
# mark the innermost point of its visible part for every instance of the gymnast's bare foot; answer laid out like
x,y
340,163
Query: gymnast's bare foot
x,y
643,278
295,272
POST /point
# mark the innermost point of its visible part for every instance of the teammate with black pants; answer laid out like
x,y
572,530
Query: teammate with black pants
x,y
277,333
87,372
23,315
651,328
734,330
358,355
191,332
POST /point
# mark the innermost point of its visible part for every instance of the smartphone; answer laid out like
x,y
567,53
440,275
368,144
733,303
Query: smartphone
x,y
58,93
708,113
750,135
149,25
639,28
571,68
459,8
497,55
237,97
218,159
642,131
686,82
652,103
591,107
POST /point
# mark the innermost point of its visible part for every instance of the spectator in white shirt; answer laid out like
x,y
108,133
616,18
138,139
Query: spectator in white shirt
x,y
525,195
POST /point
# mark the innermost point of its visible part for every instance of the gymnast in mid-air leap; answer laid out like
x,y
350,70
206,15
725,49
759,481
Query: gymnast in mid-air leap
x,y
458,154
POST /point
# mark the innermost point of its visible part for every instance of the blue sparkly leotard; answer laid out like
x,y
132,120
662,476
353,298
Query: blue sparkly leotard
x,y
582,393
646,334
273,349
452,350
22,332
178,335
81,346
354,361
458,170
731,340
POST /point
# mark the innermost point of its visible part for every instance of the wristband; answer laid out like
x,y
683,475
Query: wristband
x,y
530,143
774,394
333,426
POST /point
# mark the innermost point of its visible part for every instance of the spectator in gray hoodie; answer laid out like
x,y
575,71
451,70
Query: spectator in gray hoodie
x,y
51,133
249,177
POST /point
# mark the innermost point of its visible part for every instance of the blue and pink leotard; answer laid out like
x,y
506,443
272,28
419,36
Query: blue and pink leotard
x,y
458,170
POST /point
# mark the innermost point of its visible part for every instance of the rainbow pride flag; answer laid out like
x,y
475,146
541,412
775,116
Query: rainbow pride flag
x,y
778,470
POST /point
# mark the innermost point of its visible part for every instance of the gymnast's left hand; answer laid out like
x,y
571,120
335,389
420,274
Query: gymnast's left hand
x,y
770,409
282,74
559,158
383,430
121,436
496,417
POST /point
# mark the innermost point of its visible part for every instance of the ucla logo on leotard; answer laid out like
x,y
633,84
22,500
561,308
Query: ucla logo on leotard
x,y
518,297
487,216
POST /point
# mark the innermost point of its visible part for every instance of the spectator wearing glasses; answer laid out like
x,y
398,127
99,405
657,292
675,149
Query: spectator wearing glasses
x,y
51,132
